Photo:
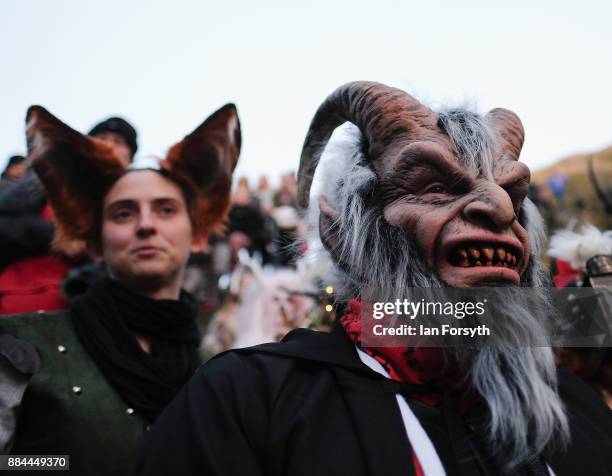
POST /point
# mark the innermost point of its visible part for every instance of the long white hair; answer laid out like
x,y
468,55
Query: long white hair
x,y
514,375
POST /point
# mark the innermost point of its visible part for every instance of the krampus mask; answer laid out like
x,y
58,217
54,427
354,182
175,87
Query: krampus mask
x,y
451,181
404,197
78,171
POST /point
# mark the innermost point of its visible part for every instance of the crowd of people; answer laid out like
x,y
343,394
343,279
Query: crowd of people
x,y
118,281
263,220
266,221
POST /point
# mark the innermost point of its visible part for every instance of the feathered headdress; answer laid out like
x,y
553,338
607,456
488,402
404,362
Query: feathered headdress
x,y
576,248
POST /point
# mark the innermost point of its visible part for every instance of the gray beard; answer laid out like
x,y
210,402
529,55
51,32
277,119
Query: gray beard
x,y
515,377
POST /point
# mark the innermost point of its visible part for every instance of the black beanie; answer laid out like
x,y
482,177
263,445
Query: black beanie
x,y
15,159
118,126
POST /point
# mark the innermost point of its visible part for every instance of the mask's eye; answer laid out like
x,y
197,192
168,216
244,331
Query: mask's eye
x,y
435,188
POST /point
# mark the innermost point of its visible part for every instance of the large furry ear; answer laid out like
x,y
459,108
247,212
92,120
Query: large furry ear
x,y
510,129
204,161
76,171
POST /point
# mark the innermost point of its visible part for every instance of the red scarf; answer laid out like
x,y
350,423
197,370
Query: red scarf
x,y
417,365
422,365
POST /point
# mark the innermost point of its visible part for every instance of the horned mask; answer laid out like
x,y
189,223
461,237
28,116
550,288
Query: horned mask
x,y
404,197
451,181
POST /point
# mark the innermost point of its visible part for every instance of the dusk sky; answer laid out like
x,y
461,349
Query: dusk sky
x,y
165,66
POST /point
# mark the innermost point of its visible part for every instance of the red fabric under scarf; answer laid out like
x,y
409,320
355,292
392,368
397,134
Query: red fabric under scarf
x,y
417,365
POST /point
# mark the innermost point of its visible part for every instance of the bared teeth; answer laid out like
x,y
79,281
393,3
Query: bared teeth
x,y
460,258
501,254
486,255
488,252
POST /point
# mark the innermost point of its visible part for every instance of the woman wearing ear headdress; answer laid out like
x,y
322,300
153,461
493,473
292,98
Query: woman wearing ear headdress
x,y
116,359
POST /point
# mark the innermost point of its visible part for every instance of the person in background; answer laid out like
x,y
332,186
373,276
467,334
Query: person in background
x,y
286,193
15,169
114,361
32,275
265,194
120,135
247,224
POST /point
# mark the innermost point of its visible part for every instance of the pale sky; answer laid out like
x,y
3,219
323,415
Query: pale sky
x,y
165,66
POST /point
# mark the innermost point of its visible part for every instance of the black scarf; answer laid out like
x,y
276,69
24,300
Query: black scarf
x,y
108,318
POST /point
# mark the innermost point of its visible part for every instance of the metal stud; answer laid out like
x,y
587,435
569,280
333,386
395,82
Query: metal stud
x,y
129,411
329,308
77,390
61,349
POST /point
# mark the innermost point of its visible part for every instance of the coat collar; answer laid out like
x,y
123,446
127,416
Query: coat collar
x,y
332,349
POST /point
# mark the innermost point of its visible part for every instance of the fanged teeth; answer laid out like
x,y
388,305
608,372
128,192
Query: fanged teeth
x,y
488,252
473,252
487,255
500,253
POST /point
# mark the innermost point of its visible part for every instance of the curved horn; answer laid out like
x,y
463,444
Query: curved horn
x,y
510,129
605,198
381,112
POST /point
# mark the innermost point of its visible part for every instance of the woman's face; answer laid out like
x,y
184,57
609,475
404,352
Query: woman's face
x,y
147,234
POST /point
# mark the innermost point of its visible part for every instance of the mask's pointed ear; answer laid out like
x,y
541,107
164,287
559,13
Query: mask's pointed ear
x,y
76,171
328,226
204,161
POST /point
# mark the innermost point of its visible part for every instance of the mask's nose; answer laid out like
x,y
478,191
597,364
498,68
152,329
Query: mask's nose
x,y
491,207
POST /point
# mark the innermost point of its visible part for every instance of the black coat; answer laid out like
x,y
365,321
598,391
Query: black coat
x,y
309,406
23,233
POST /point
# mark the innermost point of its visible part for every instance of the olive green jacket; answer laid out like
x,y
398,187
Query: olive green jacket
x,y
69,407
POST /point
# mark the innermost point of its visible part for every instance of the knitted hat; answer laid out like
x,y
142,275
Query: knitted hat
x,y
120,127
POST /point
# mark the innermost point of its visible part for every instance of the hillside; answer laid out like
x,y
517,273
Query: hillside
x,y
580,199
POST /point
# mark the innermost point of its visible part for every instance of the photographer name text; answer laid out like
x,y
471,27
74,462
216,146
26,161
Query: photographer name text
x,y
421,330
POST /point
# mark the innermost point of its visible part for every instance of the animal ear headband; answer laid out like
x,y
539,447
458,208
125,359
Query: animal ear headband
x,y
77,171
388,118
